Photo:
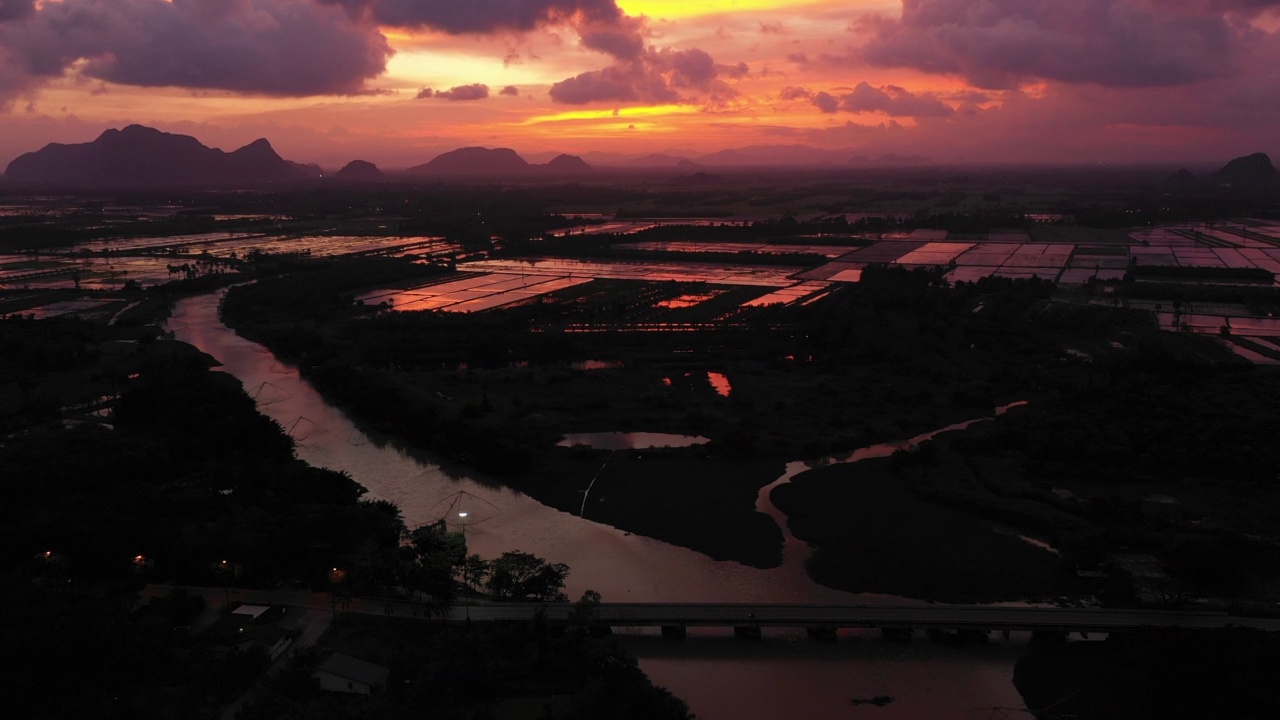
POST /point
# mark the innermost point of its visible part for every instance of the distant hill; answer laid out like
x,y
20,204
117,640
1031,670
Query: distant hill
x,y
1249,172
658,160
768,156
893,159
474,161
139,156
565,165
359,171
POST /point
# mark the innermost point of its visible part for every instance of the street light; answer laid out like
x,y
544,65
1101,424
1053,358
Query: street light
x,y
462,515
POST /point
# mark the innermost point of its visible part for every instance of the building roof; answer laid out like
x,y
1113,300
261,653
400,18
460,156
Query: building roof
x,y
355,669
252,611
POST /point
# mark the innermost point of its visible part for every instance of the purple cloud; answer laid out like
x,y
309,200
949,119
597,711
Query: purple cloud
x,y
825,102
267,47
509,90
889,99
1003,43
655,76
627,82
892,101
475,91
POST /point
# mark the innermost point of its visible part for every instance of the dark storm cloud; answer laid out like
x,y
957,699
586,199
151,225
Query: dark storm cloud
x,y
268,47
1002,43
620,37
657,76
601,24
479,16
16,9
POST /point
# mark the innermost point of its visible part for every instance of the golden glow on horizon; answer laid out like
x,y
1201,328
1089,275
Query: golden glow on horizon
x,y
611,114
444,70
672,9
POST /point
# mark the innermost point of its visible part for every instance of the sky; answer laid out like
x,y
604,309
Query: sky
x,y
397,82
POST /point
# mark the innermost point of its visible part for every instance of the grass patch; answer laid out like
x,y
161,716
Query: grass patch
x,y
677,496
884,539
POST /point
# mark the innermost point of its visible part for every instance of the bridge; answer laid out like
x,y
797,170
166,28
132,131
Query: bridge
x,y
825,620
747,620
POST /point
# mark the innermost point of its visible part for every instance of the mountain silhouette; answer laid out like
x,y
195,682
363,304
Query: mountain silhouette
x,y
359,171
138,156
565,165
474,161
1249,172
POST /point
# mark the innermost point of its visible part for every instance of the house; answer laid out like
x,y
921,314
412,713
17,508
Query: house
x,y
346,674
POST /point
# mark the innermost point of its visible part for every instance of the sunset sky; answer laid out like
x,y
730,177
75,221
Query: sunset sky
x,y
399,81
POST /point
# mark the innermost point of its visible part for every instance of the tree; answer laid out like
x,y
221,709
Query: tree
x,y
523,576
432,559
585,610
475,570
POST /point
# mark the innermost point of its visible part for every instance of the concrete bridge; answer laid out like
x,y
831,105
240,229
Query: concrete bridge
x,y
747,620
824,620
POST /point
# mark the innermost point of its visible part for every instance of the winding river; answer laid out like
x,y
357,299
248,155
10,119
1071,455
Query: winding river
x,y
784,676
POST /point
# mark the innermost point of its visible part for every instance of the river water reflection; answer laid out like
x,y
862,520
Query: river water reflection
x,y
736,681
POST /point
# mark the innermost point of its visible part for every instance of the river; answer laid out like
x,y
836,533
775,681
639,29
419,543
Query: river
x,y
784,676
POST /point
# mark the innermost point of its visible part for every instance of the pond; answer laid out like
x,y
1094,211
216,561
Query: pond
x,y
630,440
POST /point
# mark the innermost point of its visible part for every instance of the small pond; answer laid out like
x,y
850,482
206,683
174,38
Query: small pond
x,y
630,440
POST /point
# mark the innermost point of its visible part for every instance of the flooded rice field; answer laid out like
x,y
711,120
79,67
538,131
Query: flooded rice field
x,y
472,293
790,294
631,227
714,273
694,246
106,265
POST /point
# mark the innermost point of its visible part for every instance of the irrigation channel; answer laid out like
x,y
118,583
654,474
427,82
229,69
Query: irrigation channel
x,y
783,676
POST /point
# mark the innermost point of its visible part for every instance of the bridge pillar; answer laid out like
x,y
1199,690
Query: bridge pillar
x,y
746,632
1048,636
821,633
897,634
674,632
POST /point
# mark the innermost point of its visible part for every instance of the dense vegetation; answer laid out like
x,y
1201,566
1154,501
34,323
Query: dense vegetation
x,y
1155,675
478,671
190,474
